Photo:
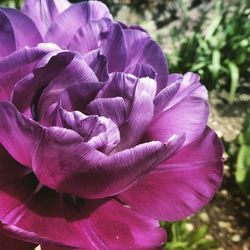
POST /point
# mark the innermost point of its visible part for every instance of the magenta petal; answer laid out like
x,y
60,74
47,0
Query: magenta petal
x,y
187,112
26,33
18,134
182,184
44,12
121,228
66,25
143,50
7,243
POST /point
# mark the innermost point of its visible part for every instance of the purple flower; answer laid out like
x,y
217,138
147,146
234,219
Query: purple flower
x,y
97,141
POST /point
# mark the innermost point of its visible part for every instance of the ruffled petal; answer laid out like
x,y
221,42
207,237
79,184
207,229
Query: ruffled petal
x,y
25,31
99,132
140,115
113,108
66,25
44,12
18,64
143,50
27,91
182,184
65,163
76,72
187,112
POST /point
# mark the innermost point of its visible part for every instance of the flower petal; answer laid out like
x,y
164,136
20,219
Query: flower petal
x,y
25,31
112,45
182,184
99,64
66,25
27,91
90,173
57,221
77,71
44,12
187,112
143,50
142,70
18,64
8,41
113,108
121,228
18,134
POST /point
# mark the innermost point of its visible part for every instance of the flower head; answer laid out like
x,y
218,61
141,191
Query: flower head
x,y
98,141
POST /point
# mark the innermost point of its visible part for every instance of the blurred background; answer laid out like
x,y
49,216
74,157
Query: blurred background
x,y
211,38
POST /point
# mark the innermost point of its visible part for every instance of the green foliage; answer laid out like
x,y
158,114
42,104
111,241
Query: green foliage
x,y
180,238
11,3
219,49
243,159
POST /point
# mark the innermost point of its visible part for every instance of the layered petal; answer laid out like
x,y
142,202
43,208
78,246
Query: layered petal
x,y
182,184
25,31
64,162
27,91
187,112
44,12
74,17
143,50
18,64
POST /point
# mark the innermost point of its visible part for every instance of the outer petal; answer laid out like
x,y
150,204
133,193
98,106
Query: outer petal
x,y
55,221
182,184
18,134
7,243
18,64
44,12
143,50
67,24
187,112
25,31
